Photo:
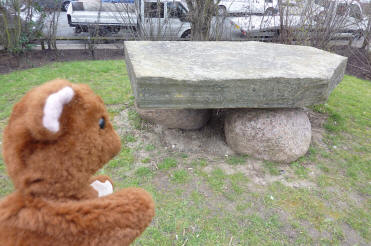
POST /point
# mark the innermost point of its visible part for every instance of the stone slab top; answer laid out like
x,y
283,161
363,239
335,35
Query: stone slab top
x,y
214,74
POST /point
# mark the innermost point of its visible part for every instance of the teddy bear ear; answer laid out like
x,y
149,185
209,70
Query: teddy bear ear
x,y
53,108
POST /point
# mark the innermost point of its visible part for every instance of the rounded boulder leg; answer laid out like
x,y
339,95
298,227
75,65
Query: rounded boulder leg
x,y
187,119
279,135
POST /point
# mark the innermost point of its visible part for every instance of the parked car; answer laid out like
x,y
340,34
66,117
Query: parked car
x,y
66,3
347,8
54,4
247,6
159,19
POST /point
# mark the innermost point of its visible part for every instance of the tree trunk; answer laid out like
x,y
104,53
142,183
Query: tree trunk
x,y
367,32
201,14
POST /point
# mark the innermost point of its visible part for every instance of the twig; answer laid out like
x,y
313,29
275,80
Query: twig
x,y
230,241
185,242
366,70
155,165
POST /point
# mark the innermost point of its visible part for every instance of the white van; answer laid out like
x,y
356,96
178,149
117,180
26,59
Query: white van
x,y
247,6
165,19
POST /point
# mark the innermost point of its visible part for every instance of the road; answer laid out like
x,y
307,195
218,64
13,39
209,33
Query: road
x,y
64,30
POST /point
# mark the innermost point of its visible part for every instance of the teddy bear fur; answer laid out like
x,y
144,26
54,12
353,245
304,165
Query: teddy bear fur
x,y
52,171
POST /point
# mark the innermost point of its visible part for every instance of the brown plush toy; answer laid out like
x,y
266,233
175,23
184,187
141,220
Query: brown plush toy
x,y
58,136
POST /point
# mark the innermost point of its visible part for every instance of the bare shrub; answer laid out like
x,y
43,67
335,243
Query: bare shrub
x,y
154,25
361,57
51,12
201,13
20,25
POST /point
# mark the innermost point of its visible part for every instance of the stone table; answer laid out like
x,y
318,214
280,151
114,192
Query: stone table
x,y
179,75
173,81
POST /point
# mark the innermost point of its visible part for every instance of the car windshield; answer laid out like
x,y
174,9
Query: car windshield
x,y
153,10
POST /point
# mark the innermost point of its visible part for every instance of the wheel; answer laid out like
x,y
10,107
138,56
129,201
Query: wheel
x,y
116,29
65,5
186,35
222,11
104,32
78,29
23,7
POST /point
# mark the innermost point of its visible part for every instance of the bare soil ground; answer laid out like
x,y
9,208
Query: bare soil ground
x,y
208,143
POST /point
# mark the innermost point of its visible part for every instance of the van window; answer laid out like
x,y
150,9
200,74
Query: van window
x,y
323,3
153,10
341,9
175,10
355,11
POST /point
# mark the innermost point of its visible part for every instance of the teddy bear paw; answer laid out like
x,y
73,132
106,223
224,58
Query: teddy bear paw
x,y
103,189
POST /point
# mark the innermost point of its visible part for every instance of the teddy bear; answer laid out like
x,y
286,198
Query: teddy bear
x,y
58,136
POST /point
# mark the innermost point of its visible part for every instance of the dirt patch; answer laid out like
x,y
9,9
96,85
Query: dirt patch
x,y
38,58
352,237
209,143
147,135
208,140
317,120
255,172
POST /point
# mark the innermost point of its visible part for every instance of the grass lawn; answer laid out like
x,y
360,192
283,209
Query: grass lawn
x,y
324,198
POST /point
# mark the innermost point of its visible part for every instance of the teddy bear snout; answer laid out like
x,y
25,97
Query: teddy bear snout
x,y
116,145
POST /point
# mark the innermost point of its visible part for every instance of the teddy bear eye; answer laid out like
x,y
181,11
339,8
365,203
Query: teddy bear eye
x,y
102,123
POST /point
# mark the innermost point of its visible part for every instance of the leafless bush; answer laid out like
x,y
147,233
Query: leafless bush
x,y
201,13
52,14
154,25
320,22
361,56
178,23
316,23
20,24
151,26
52,18
366,32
